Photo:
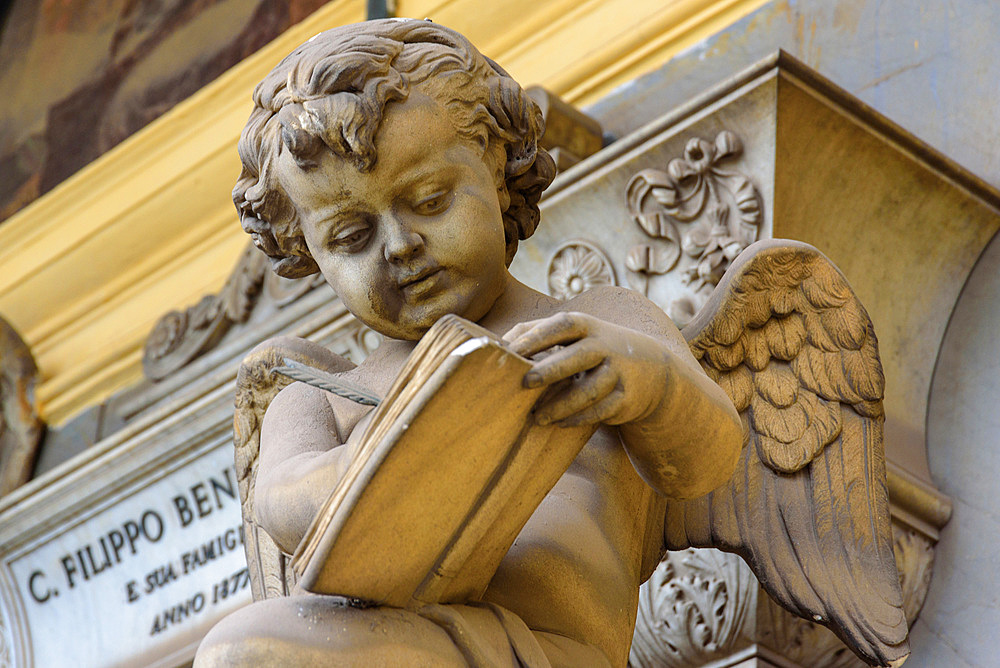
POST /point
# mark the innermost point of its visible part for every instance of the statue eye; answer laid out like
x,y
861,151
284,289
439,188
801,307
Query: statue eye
x,y
433,204
352,238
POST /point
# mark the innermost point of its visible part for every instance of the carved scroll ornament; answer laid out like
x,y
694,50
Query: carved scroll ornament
x,y
181,336
699,209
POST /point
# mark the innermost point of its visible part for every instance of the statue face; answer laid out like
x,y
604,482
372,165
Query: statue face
x,y
419,236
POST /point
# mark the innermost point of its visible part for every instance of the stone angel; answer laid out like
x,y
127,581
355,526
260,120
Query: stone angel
x,y
404,166
786,338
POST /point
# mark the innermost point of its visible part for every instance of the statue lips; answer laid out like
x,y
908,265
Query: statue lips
x,y
419,283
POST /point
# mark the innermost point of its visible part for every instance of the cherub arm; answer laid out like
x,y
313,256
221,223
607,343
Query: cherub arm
x,y
301,460
624,363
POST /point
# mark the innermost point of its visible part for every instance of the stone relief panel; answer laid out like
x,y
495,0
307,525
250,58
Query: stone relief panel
x,y
699,214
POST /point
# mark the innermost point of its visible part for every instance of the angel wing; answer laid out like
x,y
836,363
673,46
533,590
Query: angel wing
x,y
256,386
786,338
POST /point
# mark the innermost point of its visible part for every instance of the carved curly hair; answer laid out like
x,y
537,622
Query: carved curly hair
x,y
331,93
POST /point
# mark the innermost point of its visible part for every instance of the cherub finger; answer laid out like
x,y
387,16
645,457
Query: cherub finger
x,y
579,396
519,329
559,329
564,363
599,412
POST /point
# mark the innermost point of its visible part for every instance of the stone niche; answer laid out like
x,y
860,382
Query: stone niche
x,y
128,553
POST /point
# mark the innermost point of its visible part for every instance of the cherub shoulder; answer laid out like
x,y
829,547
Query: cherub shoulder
x,y
300,418
627,308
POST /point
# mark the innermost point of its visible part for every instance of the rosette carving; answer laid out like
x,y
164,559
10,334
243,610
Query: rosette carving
x,y
577,266
699,209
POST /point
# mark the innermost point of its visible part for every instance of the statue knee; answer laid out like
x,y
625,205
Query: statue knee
x,y
314,630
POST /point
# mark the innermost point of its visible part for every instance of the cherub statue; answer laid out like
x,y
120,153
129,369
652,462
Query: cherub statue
x,y
403,165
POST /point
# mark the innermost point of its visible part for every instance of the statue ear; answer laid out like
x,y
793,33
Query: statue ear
x,y
503,196
495,155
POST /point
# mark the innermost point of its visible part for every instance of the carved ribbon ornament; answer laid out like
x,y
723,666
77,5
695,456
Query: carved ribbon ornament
x,y
698,208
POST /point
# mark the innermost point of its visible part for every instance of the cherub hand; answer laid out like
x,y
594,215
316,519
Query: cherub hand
x,y
605,373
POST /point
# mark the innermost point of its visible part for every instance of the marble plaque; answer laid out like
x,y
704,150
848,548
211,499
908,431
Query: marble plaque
x,y
141,581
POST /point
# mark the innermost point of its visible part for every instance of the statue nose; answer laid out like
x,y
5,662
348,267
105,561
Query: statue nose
x,y
402,241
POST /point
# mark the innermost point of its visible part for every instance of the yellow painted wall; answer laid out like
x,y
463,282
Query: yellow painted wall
x,y
88,269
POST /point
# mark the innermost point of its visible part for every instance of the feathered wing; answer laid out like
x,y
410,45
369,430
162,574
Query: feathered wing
x,y
787,339
256,385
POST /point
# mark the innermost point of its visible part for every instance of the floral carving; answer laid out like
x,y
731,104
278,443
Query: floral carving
x,y
577,266
698,209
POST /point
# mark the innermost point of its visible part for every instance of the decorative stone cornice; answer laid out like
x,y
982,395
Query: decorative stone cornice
x,y
181,336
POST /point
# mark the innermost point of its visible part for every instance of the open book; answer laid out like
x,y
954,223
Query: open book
x,y
446,474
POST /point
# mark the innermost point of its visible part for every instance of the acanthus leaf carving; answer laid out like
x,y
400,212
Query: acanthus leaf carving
x,y
694,609
701,605
699,208
915,560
